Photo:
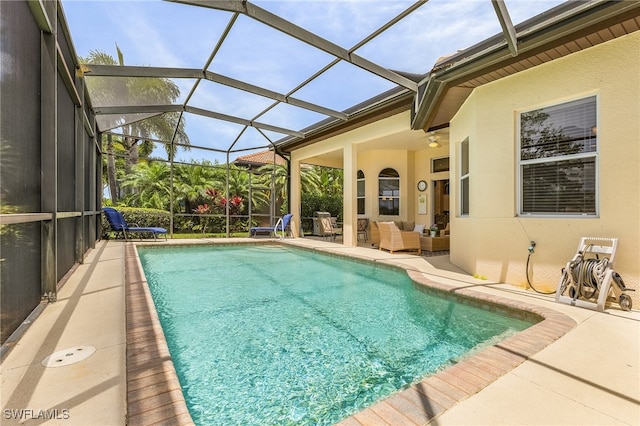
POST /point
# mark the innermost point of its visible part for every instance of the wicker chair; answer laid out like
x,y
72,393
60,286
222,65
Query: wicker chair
x,y
446,231
393,239
328,228
363,225
374,233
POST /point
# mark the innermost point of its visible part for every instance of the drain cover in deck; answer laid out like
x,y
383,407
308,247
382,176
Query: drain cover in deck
x,y
68,356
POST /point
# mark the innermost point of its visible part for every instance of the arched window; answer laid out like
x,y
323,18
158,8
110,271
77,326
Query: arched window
x,y
389,193
360,194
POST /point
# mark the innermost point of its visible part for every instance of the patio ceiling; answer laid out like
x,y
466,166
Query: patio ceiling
x,y
317,77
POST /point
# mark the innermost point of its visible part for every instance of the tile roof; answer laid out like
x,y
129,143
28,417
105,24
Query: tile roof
x,y
259,158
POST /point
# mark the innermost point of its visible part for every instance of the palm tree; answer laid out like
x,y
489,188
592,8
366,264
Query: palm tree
x,y
137,91
191,181
331,180
114,149
152,183
310,182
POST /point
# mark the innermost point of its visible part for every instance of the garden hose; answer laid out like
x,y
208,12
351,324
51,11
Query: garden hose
x,y
591,273
529,281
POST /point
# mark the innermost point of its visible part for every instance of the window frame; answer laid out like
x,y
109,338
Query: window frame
x,y
520,163
464,177
434,164
395,198
360,198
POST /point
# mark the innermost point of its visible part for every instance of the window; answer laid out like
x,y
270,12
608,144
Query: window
x,y
389,193
440,164
558,159
464,178
360,194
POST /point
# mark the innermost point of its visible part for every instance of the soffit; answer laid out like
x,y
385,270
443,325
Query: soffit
x,y
556,51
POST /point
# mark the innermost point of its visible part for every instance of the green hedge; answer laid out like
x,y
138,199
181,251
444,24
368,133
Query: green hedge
x,y
188,224
145,218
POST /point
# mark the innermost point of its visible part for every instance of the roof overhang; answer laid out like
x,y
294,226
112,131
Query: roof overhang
x,y
561,31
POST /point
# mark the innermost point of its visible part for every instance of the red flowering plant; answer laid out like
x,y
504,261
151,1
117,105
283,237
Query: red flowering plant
x,y
212,193
217,206
236,203
202,209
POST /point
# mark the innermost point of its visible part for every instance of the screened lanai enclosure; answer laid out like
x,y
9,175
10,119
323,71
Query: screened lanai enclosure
x,y
173,121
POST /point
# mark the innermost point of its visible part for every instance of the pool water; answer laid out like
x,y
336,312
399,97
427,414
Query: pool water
x,y
275,335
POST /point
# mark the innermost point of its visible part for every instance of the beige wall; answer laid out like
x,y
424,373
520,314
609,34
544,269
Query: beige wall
x,y
493,240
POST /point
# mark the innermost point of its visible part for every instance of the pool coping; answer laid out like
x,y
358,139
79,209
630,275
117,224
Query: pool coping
x,y
154,393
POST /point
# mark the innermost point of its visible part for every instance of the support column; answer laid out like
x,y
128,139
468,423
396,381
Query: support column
x,y
49,159
295,201
80,146
350,212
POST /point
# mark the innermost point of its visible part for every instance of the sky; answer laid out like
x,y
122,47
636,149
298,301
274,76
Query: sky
x,y
167,34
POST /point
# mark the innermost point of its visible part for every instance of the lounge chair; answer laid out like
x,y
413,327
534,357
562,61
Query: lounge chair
x,y
393,239
328,228
119,225
281,225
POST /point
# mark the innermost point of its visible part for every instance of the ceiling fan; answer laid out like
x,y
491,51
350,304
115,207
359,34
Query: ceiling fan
x,y
433,141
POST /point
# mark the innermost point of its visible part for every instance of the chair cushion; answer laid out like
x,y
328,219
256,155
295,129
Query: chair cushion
x,y
419,228
408,226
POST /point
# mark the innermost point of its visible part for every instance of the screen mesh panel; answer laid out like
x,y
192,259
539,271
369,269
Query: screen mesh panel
x,y
20,274
20,145
66,245
66,150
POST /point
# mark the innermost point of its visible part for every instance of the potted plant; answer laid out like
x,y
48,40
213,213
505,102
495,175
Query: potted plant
x,y
433,230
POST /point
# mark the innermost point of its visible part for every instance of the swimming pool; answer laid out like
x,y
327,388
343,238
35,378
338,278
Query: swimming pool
x,y
274,335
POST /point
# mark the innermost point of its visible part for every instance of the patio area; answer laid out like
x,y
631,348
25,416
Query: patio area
x,y
590,375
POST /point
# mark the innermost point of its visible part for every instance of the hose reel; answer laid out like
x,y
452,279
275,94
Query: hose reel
x,y
589,276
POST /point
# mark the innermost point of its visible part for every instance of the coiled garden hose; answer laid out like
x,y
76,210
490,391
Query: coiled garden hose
x,y
590,274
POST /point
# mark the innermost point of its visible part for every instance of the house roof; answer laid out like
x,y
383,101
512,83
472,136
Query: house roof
x,y
261,158
561,31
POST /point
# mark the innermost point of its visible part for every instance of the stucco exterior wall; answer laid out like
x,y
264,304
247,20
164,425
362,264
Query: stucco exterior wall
x,y
492,241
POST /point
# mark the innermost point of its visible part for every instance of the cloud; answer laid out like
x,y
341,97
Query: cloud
x,y
340,21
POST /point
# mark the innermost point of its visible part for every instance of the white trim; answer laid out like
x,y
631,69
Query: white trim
x,y
462,178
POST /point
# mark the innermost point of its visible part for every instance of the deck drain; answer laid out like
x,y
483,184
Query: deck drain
x,y
68,356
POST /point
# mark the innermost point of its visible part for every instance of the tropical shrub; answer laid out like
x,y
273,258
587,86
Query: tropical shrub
x,y
217,205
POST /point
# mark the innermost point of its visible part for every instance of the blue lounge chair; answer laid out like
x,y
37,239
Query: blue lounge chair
x,y
119,225
281,225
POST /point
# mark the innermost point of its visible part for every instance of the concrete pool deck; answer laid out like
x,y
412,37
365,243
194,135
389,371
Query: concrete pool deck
x,y
577,367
